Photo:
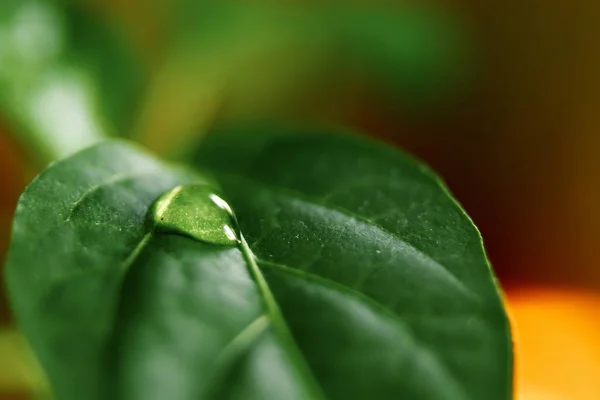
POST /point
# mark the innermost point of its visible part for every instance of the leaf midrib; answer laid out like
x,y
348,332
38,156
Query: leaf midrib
x,y
280,325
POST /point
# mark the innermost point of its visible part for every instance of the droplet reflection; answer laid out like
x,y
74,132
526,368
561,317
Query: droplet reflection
x,y
195,211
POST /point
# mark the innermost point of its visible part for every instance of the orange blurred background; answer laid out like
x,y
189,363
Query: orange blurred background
x,y
517,137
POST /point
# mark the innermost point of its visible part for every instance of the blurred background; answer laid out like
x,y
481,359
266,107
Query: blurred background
x,y
501,97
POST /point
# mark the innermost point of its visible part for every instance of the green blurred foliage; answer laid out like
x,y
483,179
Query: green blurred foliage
x,y
66,77
69,75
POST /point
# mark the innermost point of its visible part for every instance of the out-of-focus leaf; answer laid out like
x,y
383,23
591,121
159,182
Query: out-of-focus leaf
x,y
106,55
66,78
264,61
421,54
19,371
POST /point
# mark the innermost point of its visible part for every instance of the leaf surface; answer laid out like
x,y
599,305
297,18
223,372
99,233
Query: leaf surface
x,y
362,242
358,276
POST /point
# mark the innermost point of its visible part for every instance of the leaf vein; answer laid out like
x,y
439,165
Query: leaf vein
x,y
279,323
295,195
113,180
235,348
371,303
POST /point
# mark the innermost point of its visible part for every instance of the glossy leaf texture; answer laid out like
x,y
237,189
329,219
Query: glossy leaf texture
x,y
358,277
381,274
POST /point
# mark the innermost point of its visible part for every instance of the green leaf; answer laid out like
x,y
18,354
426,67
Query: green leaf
x,y
67,78
357,276
349,222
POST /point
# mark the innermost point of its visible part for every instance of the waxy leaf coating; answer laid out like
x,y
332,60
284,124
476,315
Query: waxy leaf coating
x,y
357,276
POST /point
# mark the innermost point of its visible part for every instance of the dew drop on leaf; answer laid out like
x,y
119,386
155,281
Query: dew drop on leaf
x,y
195,211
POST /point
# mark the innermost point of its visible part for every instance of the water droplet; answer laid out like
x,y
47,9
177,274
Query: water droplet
x,y
195,211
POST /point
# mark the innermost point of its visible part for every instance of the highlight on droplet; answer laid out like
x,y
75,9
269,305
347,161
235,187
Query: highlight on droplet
x,y
195,211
